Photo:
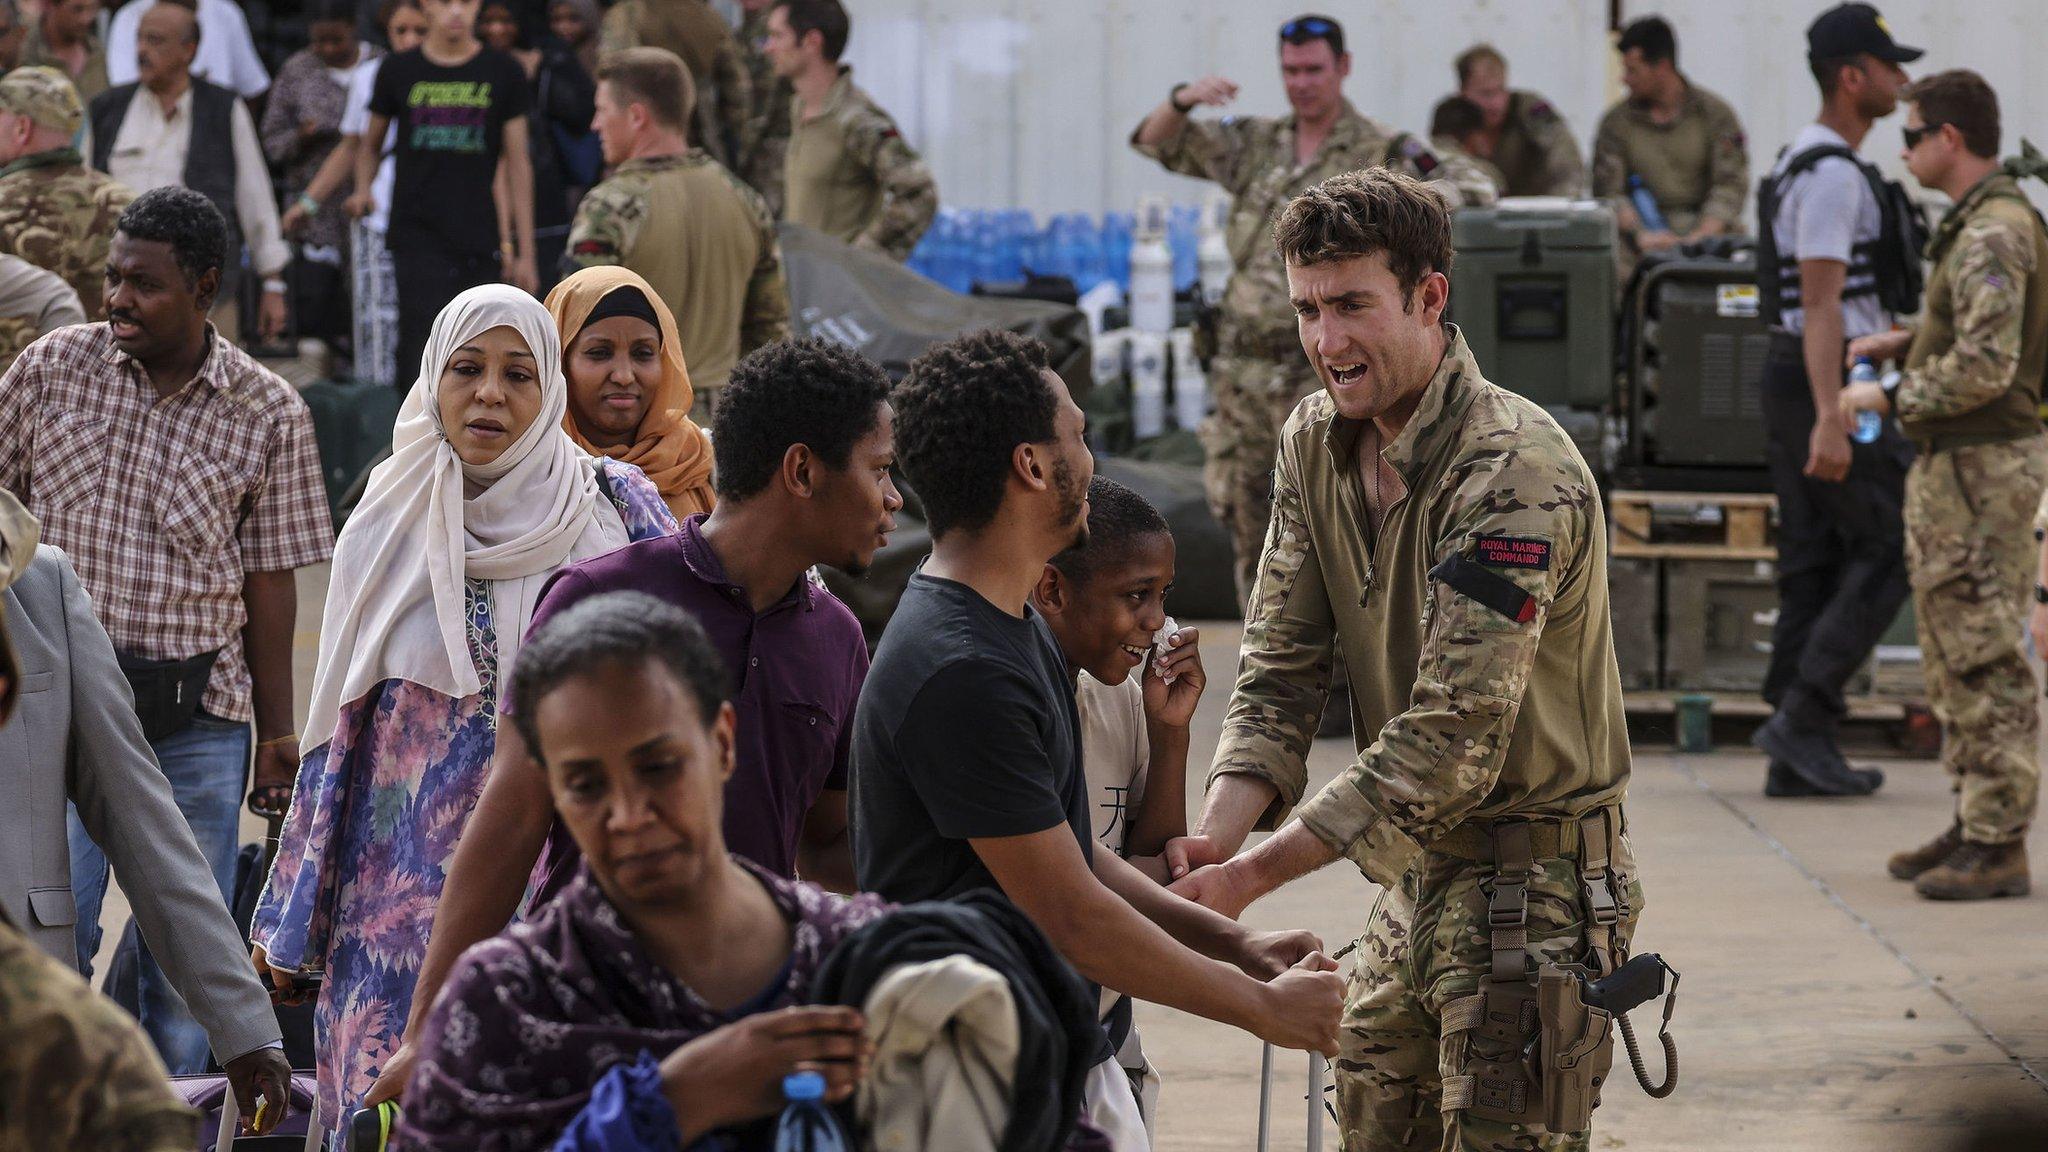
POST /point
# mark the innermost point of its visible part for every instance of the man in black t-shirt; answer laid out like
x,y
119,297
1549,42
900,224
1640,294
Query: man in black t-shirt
x,y
966,747
459,108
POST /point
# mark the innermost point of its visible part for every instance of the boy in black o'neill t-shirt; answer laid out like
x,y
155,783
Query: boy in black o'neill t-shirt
x,y
459,108
966,767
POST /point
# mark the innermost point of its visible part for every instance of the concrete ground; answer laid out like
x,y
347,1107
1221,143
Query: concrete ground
x,y
1823,1005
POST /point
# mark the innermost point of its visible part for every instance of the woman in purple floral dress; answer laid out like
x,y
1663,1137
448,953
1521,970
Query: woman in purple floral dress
x,y
435,578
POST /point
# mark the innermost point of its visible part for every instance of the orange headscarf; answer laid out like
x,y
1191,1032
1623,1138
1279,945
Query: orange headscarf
x,y
672,450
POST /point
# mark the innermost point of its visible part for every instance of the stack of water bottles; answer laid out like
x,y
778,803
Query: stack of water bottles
x,y
1154,357
969,246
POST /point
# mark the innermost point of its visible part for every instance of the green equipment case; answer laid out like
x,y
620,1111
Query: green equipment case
x,y
1532,288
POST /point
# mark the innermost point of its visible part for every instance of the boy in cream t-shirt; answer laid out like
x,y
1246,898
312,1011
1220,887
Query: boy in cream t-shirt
x,y
1136,682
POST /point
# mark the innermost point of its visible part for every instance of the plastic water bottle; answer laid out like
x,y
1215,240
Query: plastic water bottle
x,y
1869,425
1190,386
1184,235
1646,205
1152,270
1116,248
1106,353
807,1125
1148,384
1212,254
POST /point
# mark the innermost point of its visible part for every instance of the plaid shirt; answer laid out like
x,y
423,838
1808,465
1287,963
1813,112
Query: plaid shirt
x,y
165,502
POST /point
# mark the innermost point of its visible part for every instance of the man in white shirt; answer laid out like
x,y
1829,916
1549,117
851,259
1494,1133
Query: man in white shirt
x,y
173,128
227,54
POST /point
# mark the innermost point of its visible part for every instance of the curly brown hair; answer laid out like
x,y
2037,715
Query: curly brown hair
x,y
1368,211
1961,98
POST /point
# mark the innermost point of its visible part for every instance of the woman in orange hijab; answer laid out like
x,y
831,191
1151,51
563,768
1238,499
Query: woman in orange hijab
x,y
629,391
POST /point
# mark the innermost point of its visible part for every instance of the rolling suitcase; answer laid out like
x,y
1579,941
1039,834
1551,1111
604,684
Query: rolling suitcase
x,y
219,1113
1318,1069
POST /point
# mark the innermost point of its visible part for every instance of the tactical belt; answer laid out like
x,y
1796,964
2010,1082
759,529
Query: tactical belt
x,y
1928,445
1499,1081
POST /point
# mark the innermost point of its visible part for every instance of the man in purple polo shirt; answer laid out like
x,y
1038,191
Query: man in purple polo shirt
x,y
803,444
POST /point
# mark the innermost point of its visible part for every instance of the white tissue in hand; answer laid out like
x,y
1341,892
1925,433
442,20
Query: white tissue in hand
x,y
1160,646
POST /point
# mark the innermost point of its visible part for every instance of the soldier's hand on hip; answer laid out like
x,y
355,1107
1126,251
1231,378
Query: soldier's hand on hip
x,y
1214,91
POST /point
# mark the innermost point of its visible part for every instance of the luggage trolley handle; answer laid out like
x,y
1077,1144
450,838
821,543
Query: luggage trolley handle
x,y
230,1111
1317,1075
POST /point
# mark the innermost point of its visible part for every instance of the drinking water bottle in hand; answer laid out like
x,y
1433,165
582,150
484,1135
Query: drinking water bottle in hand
x,y
1869,425
808,1124
1645,204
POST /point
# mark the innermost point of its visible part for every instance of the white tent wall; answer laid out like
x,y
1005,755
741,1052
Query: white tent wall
x,y
1028,103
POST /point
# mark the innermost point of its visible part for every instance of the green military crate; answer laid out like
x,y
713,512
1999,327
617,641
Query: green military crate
x,y
1696,365
1635,605
1532,289
352,423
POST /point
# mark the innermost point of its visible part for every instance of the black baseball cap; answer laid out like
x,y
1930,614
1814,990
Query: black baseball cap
x,y
1851,30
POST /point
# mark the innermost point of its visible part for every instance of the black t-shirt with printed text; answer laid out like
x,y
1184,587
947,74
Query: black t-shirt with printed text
x,y
450,128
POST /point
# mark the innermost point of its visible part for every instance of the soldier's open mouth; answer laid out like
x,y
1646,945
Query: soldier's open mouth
x,y
1347,373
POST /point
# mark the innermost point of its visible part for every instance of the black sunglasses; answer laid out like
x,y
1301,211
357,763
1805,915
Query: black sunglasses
x,y
1915,135
1306,28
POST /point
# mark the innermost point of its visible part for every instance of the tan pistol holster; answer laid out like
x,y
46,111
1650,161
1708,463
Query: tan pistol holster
x,y
1537,1053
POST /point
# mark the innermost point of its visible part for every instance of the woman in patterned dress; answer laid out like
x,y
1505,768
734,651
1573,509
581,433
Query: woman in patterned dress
x,y
435,578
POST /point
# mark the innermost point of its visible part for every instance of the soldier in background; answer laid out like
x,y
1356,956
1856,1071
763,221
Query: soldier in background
x,y
1683,140
1457,125
1521,134
848,172
1263,162
1969,399
701,37
33,302
55,212
690,228
1478,645
768,127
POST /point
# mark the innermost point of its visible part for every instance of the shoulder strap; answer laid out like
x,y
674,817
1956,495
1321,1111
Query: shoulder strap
x,y
1805,161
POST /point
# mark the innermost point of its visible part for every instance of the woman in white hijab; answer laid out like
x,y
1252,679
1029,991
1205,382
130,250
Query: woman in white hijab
x,y
435,578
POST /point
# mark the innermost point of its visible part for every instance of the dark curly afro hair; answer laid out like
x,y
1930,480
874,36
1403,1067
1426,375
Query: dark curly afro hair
x,y
185,220
960,412
822,395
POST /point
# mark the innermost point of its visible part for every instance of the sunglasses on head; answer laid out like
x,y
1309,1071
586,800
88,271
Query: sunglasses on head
x,y
1915,135
1307,28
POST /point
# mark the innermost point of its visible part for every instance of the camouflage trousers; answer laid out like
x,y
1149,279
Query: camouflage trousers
x,y
1971,558
1426,945
1240,440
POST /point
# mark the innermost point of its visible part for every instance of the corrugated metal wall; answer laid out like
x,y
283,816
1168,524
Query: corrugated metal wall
x,y
1028,103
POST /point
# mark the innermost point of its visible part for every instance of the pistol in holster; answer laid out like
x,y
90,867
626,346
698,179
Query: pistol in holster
x,y
1206,341
1540,1037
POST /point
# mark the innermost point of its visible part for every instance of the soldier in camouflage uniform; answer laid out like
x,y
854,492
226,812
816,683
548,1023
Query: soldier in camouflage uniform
x,y
1685,142
75,1071
1257,374
704,41
55,212
847,172
33,302
1445,538
1969,399
703,239
768,127
1520,133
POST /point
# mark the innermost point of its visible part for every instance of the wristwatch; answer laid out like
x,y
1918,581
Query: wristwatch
x,y
1173,98
274,284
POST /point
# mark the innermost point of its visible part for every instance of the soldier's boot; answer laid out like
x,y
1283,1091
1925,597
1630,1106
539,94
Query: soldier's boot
x,y
1978,872
1911,864
1801,735
1782,780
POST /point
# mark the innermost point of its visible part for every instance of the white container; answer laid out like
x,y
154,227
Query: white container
x,y
1148,384
1212,255
1107,356
1190,387
1151,269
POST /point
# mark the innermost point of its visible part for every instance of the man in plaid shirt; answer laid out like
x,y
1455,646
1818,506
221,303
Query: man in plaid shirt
x,y
182,478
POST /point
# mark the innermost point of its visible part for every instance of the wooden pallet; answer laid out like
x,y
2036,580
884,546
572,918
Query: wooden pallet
x,y
1725,526
1750,706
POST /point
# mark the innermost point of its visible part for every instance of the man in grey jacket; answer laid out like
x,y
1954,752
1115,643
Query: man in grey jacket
x,y
73,735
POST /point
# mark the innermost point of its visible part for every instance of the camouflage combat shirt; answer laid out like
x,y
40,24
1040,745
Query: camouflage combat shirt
x,y
75,1070
1696,167
1981,343
58,214
850,174
1252,157
1474,628
768,126
1536,153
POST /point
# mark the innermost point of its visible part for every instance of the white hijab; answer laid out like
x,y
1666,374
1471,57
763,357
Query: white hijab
x,y
395,601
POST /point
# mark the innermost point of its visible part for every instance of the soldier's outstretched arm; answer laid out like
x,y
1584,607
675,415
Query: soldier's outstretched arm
x,y
1205,149
1517,525
1283,679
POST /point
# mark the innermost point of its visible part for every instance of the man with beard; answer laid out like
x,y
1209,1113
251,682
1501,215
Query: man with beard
x,y
804,447
1841,534
966,748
